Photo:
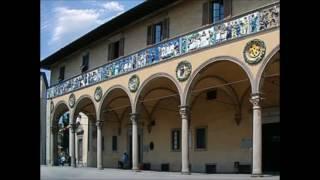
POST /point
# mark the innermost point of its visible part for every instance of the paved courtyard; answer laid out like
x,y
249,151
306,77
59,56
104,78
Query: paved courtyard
x,y
68,173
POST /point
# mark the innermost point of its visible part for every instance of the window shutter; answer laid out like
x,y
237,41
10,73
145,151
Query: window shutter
x,y
61,73
110,52
121,47
165,26
150,35
227,4
205,13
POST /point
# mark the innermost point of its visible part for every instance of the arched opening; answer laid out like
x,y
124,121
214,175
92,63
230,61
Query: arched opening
x,y
157,103
60,135
220,130
85,133
269,85
116,129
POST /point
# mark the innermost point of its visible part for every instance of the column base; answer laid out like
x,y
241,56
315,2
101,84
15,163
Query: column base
x,y
136,170
257,175
185,173
100,168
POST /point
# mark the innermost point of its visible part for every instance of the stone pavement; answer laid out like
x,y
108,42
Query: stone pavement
x,y
68,173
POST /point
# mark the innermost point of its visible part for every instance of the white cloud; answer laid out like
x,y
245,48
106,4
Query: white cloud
x,y
70,21
113,6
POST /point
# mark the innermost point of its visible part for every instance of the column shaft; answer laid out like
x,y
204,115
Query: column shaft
x,y
135,152
99,144
257,136
184,112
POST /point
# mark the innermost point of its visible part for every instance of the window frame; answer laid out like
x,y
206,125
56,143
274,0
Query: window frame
x,y
64,72
221,11
171,140
155,32
116,144
87,64
205,140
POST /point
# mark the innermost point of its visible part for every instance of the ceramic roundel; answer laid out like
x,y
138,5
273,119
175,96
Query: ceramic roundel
x,y
183,70
72,100
254,51
133,83
98,94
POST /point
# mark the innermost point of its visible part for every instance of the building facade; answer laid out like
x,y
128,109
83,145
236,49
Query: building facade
x,y
182,85
43,118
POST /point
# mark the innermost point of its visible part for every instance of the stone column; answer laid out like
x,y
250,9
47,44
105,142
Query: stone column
x,y
257,136
72,147
99,124
184,112
134,120
53,130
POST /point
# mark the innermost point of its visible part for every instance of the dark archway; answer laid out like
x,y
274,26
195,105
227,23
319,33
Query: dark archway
x,y
114,112
157,103
60,132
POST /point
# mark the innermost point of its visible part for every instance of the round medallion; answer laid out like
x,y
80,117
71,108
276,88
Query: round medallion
x,y
183,70
254,51
133,83
51,106
72,100
98,94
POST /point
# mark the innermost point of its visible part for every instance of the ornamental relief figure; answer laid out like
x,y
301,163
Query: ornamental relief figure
x,y
183,70
133,83
254,51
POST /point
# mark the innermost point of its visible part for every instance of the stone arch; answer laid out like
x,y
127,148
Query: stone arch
x,y
81,98
149,79
105,95
258,79
192,79
57,106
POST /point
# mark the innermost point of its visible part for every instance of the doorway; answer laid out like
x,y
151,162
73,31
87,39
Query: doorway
x,y
271,148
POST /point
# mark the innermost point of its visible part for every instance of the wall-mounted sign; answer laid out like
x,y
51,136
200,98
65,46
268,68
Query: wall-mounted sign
x,y
183,70
133,83
254,51
72,100
98,94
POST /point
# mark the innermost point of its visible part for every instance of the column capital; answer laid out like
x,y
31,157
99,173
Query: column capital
x,y
73,127
184,111
99,123
134,117
256,100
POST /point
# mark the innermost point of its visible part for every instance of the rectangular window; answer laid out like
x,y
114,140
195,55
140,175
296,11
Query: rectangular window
x,y
175,139
61,73
116,49
102,143
85,63
201,139
157,33
114,143
217,10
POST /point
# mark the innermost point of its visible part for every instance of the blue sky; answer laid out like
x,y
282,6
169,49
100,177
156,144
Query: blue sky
x,y
63,21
